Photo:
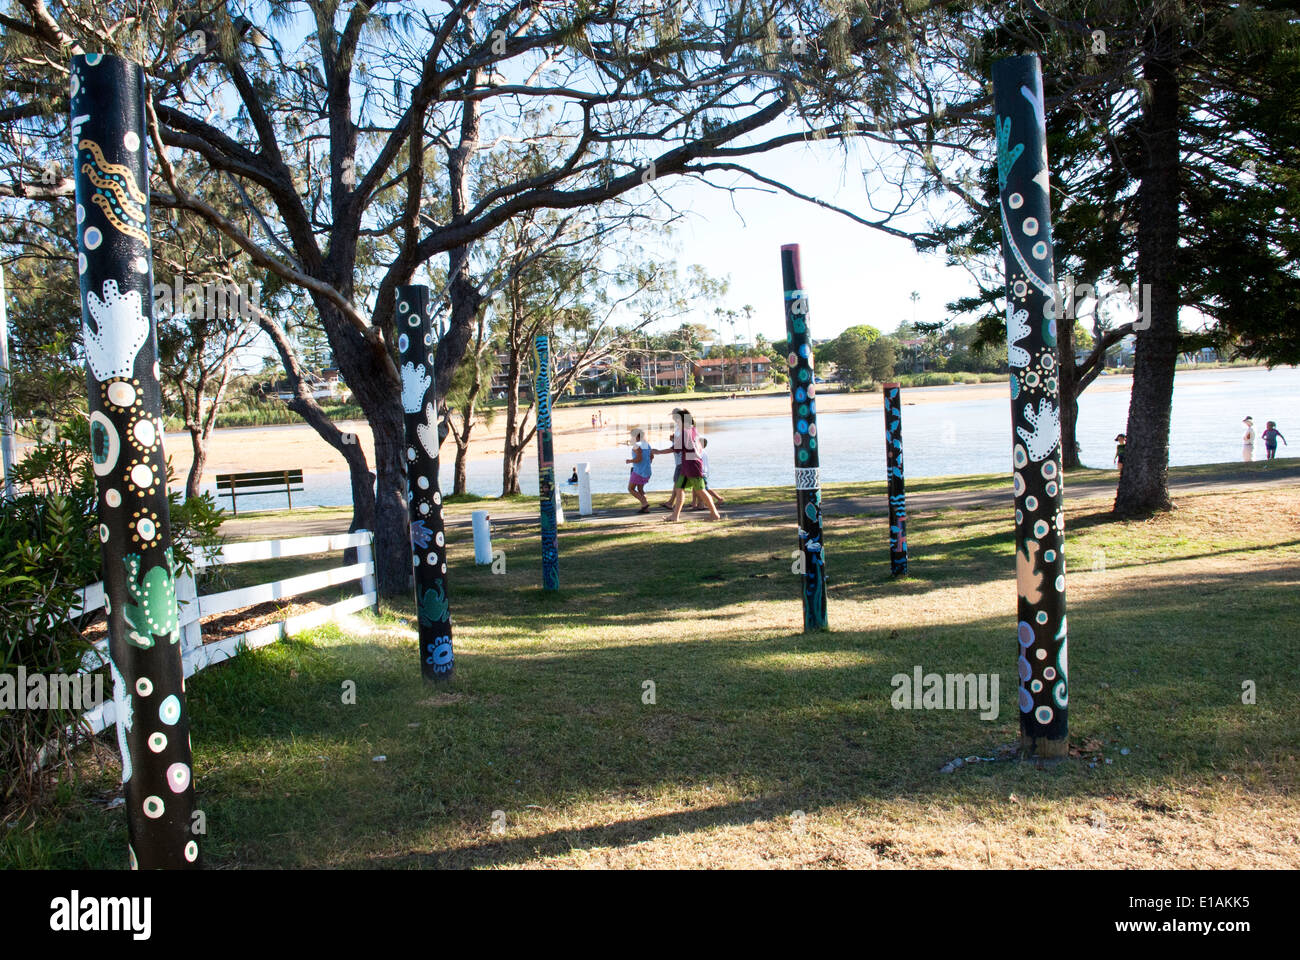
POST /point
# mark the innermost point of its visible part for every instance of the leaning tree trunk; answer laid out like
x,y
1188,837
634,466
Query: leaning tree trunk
x,y
380,398
512,451
199,444
305,405
1144,484
1067,373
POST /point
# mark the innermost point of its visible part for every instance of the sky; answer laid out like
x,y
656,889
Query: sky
x,y
852,273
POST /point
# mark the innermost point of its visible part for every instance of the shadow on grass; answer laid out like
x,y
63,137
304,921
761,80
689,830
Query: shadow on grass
x,y
548,711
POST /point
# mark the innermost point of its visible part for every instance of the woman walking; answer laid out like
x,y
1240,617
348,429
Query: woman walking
x,y
686,442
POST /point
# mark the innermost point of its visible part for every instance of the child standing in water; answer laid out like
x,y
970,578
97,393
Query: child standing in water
x,y
1270,437
641,457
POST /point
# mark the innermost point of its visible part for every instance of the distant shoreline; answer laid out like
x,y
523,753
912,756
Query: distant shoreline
x,y
297,446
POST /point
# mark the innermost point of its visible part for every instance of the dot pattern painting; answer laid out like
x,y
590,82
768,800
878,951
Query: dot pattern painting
x,y
112,218
546,464
428,543
1023,182
894,477
807,458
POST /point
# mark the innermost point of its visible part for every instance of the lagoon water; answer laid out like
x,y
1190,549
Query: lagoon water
x,y
940,437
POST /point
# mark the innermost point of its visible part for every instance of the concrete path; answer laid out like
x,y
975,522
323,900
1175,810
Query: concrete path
x,y
1285,473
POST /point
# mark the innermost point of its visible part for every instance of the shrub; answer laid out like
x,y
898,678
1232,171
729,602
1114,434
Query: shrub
x,y
49,550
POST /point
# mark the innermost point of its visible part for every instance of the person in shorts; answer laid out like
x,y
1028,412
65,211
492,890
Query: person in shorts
x,y
677,462
1270,437
641,457
686,442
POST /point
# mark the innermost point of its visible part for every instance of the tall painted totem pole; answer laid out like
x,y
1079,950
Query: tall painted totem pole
x,y
894,479
428,542
1035,404
546,463
807,469
115,263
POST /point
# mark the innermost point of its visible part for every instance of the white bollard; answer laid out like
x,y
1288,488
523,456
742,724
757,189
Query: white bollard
x,y
482,537
584,489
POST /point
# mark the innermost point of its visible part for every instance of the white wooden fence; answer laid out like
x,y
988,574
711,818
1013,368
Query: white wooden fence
x,y
192,608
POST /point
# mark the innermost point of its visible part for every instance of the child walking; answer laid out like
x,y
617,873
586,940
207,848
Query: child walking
x,y
704,458
641,457
1270,437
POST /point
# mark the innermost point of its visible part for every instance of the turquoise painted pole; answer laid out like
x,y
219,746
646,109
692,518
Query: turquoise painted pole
x,y
546,464
807,457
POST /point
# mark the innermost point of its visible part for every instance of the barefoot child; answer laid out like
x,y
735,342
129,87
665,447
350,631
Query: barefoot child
x,y
704,457
641,457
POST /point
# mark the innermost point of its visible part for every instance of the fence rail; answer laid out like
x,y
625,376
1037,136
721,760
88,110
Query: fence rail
x,y
192,608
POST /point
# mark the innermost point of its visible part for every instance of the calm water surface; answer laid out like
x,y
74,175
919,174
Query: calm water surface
x,y
940,437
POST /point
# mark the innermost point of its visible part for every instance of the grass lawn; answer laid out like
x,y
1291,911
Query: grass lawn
x,y
763,746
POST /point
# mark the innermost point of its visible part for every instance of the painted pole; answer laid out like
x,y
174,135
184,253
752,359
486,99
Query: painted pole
x,y
428,542
546,491
8,439
1035,404
807,470
126,438
894,479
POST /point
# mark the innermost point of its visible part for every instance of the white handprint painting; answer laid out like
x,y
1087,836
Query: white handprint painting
x,y
1017,329
415,383
427,432
123,329
1047,430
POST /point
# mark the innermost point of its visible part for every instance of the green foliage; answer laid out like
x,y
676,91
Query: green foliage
x,y
48,551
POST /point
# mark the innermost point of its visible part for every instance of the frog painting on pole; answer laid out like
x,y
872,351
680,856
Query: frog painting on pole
x,y
115,266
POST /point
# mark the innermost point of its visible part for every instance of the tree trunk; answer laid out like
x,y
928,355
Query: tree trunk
x,y
1070,390
305,405
460,483
380,399
199,442
512,451
1143,486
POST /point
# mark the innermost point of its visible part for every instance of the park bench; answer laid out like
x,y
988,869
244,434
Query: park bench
x,y
267,481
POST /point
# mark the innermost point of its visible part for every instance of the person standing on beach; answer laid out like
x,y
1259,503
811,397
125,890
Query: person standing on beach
x,y
692,477
1248,441
641,457
1270,437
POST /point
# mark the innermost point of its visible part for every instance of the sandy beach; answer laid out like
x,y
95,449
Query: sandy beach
x,y
293,446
